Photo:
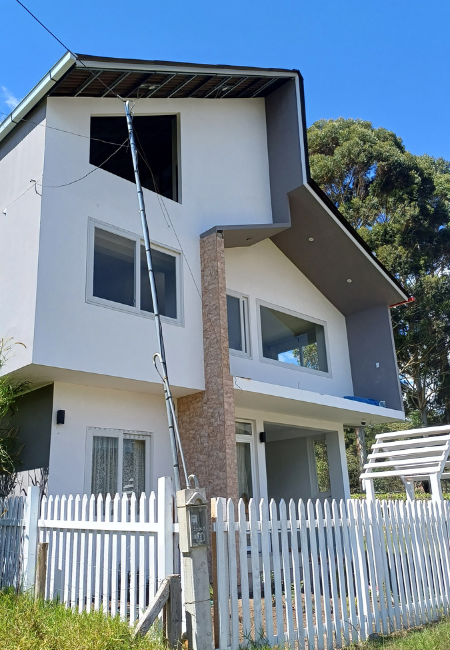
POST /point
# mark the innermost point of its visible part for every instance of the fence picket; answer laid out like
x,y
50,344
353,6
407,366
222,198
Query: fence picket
x,y
436,513
384,523
286,572
142,564
330,546
90,565
296,575
114,558
267,576
306,574
277,572
82,576
132,560
316,575
414,553
106,546
324,571
434,557
68,549
245,599
359,568
123,560
222,586
344,616
351,569
232,573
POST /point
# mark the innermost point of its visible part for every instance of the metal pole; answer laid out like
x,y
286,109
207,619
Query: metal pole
x,y
167,392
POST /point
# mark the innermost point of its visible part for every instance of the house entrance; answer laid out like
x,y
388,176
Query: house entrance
x,y
303,463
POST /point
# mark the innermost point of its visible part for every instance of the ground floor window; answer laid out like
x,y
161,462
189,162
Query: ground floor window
x,y
117,461
244,452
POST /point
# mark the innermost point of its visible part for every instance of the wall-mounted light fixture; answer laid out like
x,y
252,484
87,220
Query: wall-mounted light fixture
x,y
60,417
262,436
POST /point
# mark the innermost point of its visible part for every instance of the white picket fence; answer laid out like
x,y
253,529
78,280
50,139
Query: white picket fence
x,y
325,576
108,553
11,538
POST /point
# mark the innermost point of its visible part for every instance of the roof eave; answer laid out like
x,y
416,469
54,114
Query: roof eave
x,y
35,95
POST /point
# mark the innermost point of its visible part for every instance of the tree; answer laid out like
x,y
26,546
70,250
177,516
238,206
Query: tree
x,y
10,447
400,204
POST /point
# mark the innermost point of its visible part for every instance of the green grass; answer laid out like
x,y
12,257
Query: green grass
x,y
26,625
435,636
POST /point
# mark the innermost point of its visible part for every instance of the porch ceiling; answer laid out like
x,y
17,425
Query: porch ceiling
x,y
260,396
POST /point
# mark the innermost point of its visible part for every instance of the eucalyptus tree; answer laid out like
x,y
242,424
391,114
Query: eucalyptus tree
x,y
400,204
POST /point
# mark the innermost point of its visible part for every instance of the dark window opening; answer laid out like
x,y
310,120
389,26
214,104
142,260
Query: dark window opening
x,y
114,267
156,139
164,268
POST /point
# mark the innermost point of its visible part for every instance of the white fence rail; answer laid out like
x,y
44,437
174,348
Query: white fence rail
x,y
11,539
108,553
324,576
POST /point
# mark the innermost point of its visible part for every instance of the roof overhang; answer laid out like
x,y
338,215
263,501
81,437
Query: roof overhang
x,y
83,75
327,250
256,395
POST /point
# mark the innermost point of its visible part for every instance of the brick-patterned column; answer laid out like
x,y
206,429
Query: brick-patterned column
x,y
206,419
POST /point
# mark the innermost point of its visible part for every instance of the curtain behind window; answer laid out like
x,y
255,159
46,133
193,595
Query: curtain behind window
x,y
133,470
244,471
105,452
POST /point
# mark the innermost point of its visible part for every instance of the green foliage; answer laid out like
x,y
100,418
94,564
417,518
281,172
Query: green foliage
x,y
10,448
50,626
400,204
435,636
400,496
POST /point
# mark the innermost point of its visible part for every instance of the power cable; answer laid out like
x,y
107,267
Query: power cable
x,y
89,173
54,128
36,183
68,49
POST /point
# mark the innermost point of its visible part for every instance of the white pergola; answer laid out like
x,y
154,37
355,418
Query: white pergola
x,y
414,455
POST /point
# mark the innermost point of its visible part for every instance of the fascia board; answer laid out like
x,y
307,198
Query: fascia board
x,y
93,64
41,89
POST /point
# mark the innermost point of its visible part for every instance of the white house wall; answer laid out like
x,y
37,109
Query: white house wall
x,y
85,407
224,179
21,159
263,272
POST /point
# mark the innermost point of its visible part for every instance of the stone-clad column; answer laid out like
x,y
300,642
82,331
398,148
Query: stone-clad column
x,y
206,419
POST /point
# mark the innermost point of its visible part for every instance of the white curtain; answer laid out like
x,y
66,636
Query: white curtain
x,y
244,470
104,465
133,469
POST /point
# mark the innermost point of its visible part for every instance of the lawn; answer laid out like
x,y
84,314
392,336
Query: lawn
x,y
26,625
435,636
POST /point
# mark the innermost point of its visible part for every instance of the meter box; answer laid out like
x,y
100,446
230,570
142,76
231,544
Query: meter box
x,y
198,526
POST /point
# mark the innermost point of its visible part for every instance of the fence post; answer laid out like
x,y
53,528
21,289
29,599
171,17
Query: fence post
x,y
41,571
30,537
165,524
193,523
173,612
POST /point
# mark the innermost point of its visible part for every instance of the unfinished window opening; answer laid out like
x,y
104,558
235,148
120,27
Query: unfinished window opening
x,y
156,139
293,340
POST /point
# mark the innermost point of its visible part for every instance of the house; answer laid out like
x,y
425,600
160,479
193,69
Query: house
x,y
274,309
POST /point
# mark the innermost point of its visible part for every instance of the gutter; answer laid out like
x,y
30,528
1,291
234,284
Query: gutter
x,y
403,302
35,95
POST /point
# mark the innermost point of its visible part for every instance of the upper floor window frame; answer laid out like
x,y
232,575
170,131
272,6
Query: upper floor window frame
x,y
245,324
290,366
138,242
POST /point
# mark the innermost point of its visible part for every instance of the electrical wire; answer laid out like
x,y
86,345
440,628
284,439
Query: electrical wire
x,y
54,128
68,49
89,173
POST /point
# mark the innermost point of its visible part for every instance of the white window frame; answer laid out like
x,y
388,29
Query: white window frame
x,y
250,440
120,434
245,324
291,366
138,241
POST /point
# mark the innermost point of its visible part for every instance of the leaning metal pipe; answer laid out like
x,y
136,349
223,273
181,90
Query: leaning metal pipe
x,y
167,392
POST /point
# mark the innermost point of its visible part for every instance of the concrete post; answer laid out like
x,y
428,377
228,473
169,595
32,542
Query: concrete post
x,y
193,523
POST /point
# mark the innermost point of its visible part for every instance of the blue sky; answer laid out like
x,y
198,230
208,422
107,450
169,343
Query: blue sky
x,y
384,61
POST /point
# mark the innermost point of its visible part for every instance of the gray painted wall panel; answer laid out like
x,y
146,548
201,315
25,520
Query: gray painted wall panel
x,y
33,416
288,469
284,150
371,341
21,131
